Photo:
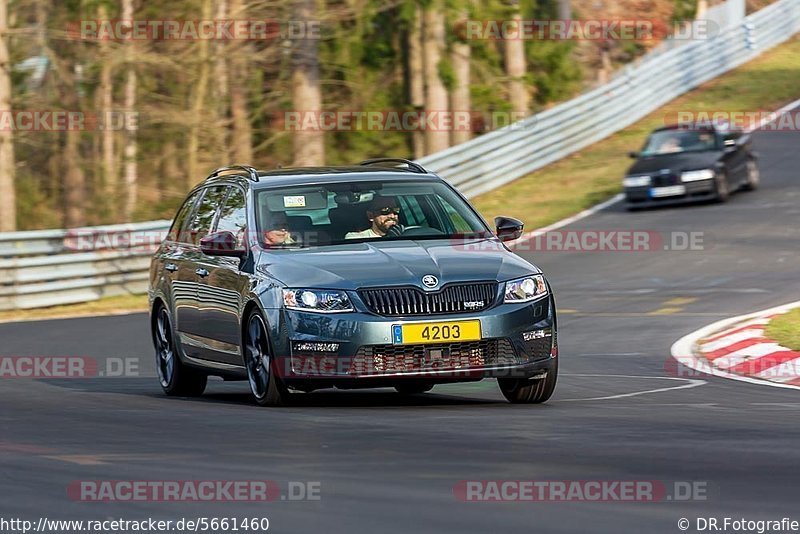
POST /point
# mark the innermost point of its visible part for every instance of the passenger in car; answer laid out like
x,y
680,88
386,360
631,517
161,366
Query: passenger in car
x,y
278,232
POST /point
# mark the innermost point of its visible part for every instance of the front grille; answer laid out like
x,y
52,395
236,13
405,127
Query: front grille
x,y
662,180
453,298
381,359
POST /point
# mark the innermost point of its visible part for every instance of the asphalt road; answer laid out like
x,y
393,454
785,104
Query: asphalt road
x,y
389,464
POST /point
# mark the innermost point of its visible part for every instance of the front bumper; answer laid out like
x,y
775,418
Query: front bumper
x,y
695,192
517,340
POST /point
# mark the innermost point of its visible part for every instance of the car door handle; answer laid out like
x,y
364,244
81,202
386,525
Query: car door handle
x,y
171,267
201,272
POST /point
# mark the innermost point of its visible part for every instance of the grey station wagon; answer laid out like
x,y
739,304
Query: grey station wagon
x,y
374,275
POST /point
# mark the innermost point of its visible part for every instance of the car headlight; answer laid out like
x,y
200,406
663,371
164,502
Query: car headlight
x,y
525,289
693,176
636,181
317,300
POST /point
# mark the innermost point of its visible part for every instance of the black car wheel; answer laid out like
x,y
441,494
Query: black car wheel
x,y
265,385
753,176
176,378
529,392
721,187
413,388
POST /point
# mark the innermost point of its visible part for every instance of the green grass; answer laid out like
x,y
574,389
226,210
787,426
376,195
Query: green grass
x,y
109,305
785,329
595,173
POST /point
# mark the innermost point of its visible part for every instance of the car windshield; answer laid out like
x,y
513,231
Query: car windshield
x,y
676,141
337,213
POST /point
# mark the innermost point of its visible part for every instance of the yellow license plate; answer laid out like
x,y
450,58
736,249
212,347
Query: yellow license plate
x,y
451,331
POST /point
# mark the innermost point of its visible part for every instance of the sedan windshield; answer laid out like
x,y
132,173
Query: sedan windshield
x,y
339,213
676,141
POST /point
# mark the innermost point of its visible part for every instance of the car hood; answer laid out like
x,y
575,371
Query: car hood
x,y
675,162
370,264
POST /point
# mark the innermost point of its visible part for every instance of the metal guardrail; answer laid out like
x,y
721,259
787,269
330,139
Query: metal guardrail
x,y
499,157
52,267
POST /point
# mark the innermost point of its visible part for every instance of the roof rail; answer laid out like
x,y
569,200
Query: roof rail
x,y
252,173
412,166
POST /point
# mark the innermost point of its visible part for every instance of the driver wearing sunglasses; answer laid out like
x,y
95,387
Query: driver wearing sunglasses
x,y
383,215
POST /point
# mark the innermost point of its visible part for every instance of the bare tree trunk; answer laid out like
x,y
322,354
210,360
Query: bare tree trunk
x,y
416,75
8,210
106,96
515,69
435,92
308,146
220,88
564,10
131,148
460,98
702,7
198,101
241,134
74,182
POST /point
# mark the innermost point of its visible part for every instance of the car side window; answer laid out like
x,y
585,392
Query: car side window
x,y
233,215
412,211
180,218
203,219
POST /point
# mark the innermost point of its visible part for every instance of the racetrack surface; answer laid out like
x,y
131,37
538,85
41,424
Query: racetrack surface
x,y
388,463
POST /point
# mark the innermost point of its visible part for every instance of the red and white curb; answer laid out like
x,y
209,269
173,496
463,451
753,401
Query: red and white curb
x,y
737,348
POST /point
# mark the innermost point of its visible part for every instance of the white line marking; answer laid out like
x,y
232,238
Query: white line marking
x,y
774,116
569,220
683,349
692,384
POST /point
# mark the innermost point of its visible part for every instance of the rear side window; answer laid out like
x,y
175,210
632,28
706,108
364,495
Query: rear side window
x,y
203,219
180,218
233,215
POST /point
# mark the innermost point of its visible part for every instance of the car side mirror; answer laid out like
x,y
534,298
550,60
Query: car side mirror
x,y
221,244
633,155
508,228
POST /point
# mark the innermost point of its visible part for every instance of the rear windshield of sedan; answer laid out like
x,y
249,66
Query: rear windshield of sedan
x,y
676,141
339,213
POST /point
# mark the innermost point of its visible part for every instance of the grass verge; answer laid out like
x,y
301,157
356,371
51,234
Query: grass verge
x,y
595,173
105,306
785,329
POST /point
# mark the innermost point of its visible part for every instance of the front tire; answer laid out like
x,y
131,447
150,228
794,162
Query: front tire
x,y
753,176
518,391
176,378
722,190
265,385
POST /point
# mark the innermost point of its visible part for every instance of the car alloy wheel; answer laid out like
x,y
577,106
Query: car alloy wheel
x,y
165,354
265,385
174,376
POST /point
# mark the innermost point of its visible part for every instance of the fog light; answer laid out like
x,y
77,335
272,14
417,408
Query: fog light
x,y
535,334
304,346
